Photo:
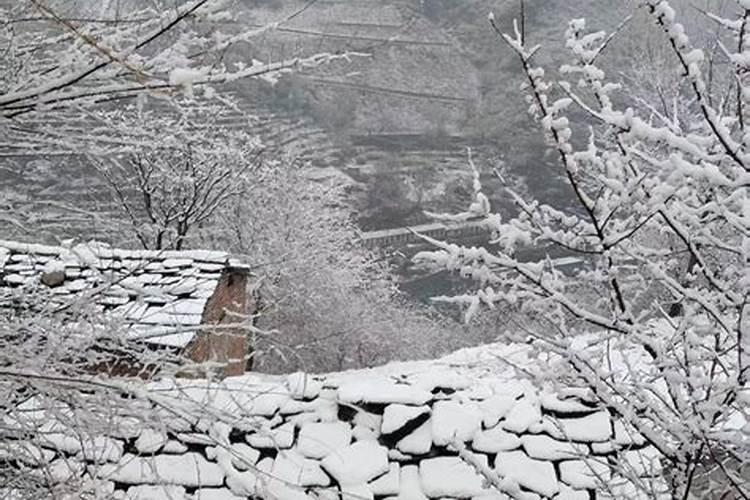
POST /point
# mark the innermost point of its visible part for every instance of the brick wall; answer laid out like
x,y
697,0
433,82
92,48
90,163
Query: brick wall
x,y
226,344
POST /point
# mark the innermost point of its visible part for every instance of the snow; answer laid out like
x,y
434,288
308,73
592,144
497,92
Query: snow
x,y
644,462
397,416
243,456
535,475
214,494
523,414
319,439
411,487
591,428
382,392
584,474
166,492
495,408
359,491
150,441
281,437
368,420
190,470
292,468
626,435
554,403
303,386
174,447
25,452
545,448
453,421
388,483
418,442
357,463
449,477
98,449
243,483
568,493
495,440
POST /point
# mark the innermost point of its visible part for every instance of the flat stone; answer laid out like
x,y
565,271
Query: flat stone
x,y
292,468
382,392
397,416
358,463
388,483
449,477
523,414
545,448
535,475
418,442
585,474
495,440
281,437
596,427
319,439
453,421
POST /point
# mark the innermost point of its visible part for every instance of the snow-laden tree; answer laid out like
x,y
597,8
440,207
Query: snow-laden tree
x,y
185,169
654,319
60,58
326,301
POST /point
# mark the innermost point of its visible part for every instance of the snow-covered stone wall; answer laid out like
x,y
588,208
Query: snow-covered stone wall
x,y
450,428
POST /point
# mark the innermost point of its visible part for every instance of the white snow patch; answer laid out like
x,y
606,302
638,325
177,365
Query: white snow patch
x,y
545,448
281,437
449,477
495,440
411,487
388,483
357,463
319,439
382,392
453,421
495,408
303,386
535,475
396,416
165,492
214,494
584,474
418,442
523,414
190,470
150,441
293,468
591,428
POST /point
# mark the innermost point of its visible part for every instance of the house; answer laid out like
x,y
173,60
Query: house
x,y
194,303
457,427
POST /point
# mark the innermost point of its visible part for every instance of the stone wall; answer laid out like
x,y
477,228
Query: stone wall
x,y
412,431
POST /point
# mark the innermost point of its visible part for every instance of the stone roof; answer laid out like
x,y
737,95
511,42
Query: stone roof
x,y
413,430
159,295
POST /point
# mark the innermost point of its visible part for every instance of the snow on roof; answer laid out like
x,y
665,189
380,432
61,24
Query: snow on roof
x,y
159,295
410,430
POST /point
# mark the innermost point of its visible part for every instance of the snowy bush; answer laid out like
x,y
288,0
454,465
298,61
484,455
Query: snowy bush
x,y
654,320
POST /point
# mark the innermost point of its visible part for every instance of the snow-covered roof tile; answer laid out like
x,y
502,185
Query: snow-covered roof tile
x,y
180,282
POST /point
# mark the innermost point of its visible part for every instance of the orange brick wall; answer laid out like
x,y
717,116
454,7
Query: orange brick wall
x,y
227,306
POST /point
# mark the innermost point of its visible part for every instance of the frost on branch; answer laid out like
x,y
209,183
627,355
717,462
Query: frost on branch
x,y
654,319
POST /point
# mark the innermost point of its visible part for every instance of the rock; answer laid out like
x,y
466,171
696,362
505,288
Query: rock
x,y
453,421
535,475
357,463
449,477
319,439
53,273
495,440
